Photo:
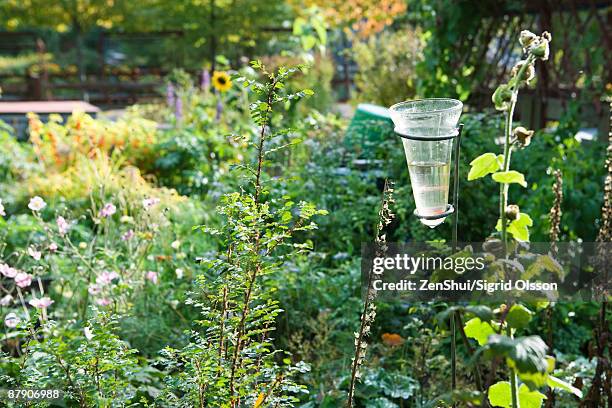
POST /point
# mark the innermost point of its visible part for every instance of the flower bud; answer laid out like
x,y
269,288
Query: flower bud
x,y
512,212
528,73
527,38
541,50
523,136
501,97
546,35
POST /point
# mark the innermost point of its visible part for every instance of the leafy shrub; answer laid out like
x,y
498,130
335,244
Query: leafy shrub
x,y
387,66
57,145
230,360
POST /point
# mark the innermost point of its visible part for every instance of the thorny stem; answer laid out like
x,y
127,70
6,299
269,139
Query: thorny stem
x,y
257,270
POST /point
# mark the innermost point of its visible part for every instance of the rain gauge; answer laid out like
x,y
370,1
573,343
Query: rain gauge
x,y
428,128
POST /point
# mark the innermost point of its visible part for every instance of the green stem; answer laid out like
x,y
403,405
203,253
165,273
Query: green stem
x,y
513,380
503,188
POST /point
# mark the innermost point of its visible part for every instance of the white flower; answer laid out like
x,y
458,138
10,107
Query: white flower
x,y
2,213
179,273
150,202
152,276
11,320
41,303
8,271
34,253
62,225
126,219
88,333
23,280
176,244
7,300
36,204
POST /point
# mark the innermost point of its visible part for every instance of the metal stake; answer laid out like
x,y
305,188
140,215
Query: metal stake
x,y
456,188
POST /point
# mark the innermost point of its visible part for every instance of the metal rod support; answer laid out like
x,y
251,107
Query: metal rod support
x,y
456,187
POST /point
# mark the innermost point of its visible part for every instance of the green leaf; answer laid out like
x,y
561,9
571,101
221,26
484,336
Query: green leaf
x,y
530,399
500,395
484,312
508,177
308,42
519,316
519,228
478,330
286,217
541,264
554,382
537,380
483,165
526,354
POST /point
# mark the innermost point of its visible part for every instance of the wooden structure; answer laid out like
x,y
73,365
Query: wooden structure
x,y
14,113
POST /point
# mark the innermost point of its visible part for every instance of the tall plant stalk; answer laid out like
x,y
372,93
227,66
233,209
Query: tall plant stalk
x,y
505,98
385,216
508,144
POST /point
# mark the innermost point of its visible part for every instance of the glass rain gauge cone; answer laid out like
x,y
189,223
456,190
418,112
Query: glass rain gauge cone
x,y
428,128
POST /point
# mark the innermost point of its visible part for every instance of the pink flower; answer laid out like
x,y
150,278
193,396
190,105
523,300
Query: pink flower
x,y
150,202
7,300
152,276
53,247
128,235
94,289
103,301
108,210
106,277
62,225
41,303
11,320
34,253
23,280
36,204
2,213
8,271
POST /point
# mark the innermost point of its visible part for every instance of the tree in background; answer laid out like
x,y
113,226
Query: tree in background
x,y
364,17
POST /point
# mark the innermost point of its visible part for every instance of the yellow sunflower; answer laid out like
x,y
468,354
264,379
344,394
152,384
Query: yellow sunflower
x,y
221,81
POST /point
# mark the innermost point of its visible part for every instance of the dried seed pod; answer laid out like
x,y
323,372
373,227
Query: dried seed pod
x,y
502,97
528,73
555,211
541,50
523,136
527,38
512,212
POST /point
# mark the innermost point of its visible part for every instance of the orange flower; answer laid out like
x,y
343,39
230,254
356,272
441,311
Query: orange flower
x,y
392,339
